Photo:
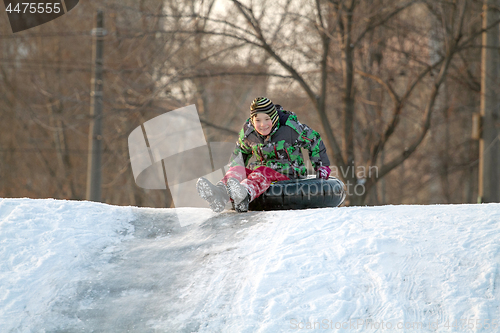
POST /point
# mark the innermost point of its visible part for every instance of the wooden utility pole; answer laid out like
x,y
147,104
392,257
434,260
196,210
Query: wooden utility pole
x,y
95,131
489,145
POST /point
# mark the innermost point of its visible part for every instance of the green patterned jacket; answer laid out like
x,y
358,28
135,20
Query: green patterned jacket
x,y
281,149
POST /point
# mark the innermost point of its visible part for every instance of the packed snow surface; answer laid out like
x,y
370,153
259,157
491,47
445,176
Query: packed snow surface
x,y
69,266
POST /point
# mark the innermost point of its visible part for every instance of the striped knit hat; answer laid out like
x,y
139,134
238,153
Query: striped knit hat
x,y
264,105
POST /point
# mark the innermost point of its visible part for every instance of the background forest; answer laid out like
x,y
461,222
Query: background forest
x,y
390,85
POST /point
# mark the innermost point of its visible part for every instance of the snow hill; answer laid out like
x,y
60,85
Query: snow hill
x,y
69,266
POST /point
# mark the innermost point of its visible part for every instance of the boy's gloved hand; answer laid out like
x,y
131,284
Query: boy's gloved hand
x,y
323,172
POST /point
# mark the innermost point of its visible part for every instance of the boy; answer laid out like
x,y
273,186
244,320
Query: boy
x,y
274,137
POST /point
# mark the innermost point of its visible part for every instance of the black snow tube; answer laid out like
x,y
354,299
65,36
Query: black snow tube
x,y
301,194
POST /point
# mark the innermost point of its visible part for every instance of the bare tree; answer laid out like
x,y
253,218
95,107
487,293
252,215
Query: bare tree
x,y
341,30
379,77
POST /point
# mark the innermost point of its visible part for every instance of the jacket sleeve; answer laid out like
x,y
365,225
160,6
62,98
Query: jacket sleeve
x,y
242,152
314,144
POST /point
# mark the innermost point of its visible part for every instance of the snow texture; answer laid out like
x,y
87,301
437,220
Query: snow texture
x,y
69,266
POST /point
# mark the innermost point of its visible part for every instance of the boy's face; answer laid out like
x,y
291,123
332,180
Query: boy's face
x,y
262,123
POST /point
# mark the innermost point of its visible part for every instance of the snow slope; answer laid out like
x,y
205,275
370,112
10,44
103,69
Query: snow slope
x,y
70,266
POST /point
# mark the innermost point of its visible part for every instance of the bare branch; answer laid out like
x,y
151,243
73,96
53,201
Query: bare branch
x,y
394,96
386,168
383,21
274,55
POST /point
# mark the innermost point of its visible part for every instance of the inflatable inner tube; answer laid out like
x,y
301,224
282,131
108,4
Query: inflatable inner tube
x,y
301,194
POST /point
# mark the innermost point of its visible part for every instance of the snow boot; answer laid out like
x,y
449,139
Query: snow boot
x,y
216,195
239,194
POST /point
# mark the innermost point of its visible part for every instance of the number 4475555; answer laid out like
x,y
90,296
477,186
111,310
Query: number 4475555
x,y
33,8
